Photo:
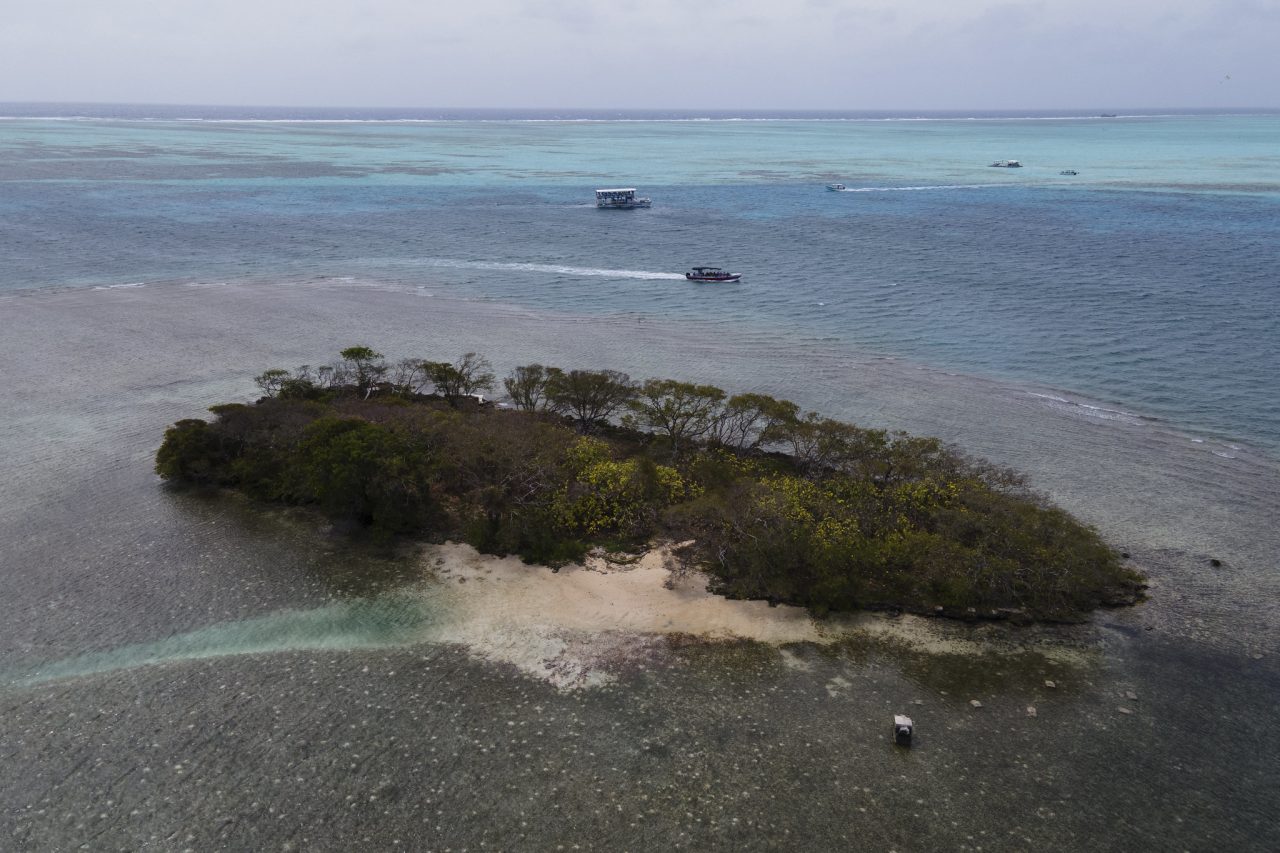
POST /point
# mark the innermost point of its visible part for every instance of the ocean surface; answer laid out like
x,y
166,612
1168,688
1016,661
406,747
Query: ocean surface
x,y
216,676
1148,281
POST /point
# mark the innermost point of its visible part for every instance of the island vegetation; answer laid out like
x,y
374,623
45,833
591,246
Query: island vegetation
x,y
777,503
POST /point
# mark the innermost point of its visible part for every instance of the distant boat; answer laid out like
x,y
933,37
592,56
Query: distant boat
x,y
711,274
1007,164
1107,115
623,198
836,188
1068,172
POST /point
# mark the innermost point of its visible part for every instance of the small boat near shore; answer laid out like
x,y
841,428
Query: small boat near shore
x,y
836,188
711,274
1068,172
1007,164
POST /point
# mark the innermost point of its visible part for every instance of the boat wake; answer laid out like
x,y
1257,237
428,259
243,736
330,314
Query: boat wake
x,y
554,269
916,189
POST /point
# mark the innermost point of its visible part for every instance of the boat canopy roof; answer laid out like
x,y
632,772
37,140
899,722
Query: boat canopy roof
x,y
707,269
617,190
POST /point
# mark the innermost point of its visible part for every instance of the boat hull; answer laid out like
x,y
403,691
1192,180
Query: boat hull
x,y
713,279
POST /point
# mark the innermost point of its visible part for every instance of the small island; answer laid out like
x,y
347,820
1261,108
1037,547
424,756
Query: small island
x,y
771,503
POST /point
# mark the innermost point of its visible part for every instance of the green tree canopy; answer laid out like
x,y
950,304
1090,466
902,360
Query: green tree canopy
x,y
589,396
270,381
366,366
192,452
470,375
749,421
527,386
682,411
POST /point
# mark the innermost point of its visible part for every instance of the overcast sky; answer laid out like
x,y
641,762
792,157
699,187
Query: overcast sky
x,y
767,54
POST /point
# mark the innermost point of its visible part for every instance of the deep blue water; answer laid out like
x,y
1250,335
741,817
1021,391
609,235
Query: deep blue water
x,y
1149,282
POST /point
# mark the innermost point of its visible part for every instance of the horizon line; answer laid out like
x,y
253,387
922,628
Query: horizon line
x,y
776,110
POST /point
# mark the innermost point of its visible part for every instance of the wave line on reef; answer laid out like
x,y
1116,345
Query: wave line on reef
x,y
118,286
556,269
1088,409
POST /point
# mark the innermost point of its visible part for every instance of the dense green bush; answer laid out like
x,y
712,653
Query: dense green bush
x,y
842,518
192,452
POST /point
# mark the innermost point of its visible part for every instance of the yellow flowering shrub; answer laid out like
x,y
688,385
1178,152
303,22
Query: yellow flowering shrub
x,y
612,495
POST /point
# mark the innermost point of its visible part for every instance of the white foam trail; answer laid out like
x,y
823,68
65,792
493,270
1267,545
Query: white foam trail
x,y
917,189
1105,410
116,286
555,269
1087,409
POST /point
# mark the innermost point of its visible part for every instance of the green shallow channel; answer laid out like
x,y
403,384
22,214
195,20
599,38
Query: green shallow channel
x,y
391,620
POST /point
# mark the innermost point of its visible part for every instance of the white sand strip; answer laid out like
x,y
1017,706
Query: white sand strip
x,y
577,626
570,626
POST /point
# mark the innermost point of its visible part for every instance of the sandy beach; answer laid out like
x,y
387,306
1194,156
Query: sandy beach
x,y
578,626
574,625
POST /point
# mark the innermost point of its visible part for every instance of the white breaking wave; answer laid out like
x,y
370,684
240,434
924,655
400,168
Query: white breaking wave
x,y
555,269
1087,409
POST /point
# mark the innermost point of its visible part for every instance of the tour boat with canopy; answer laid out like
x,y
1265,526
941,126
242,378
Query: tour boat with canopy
x,y
711,274
622,198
